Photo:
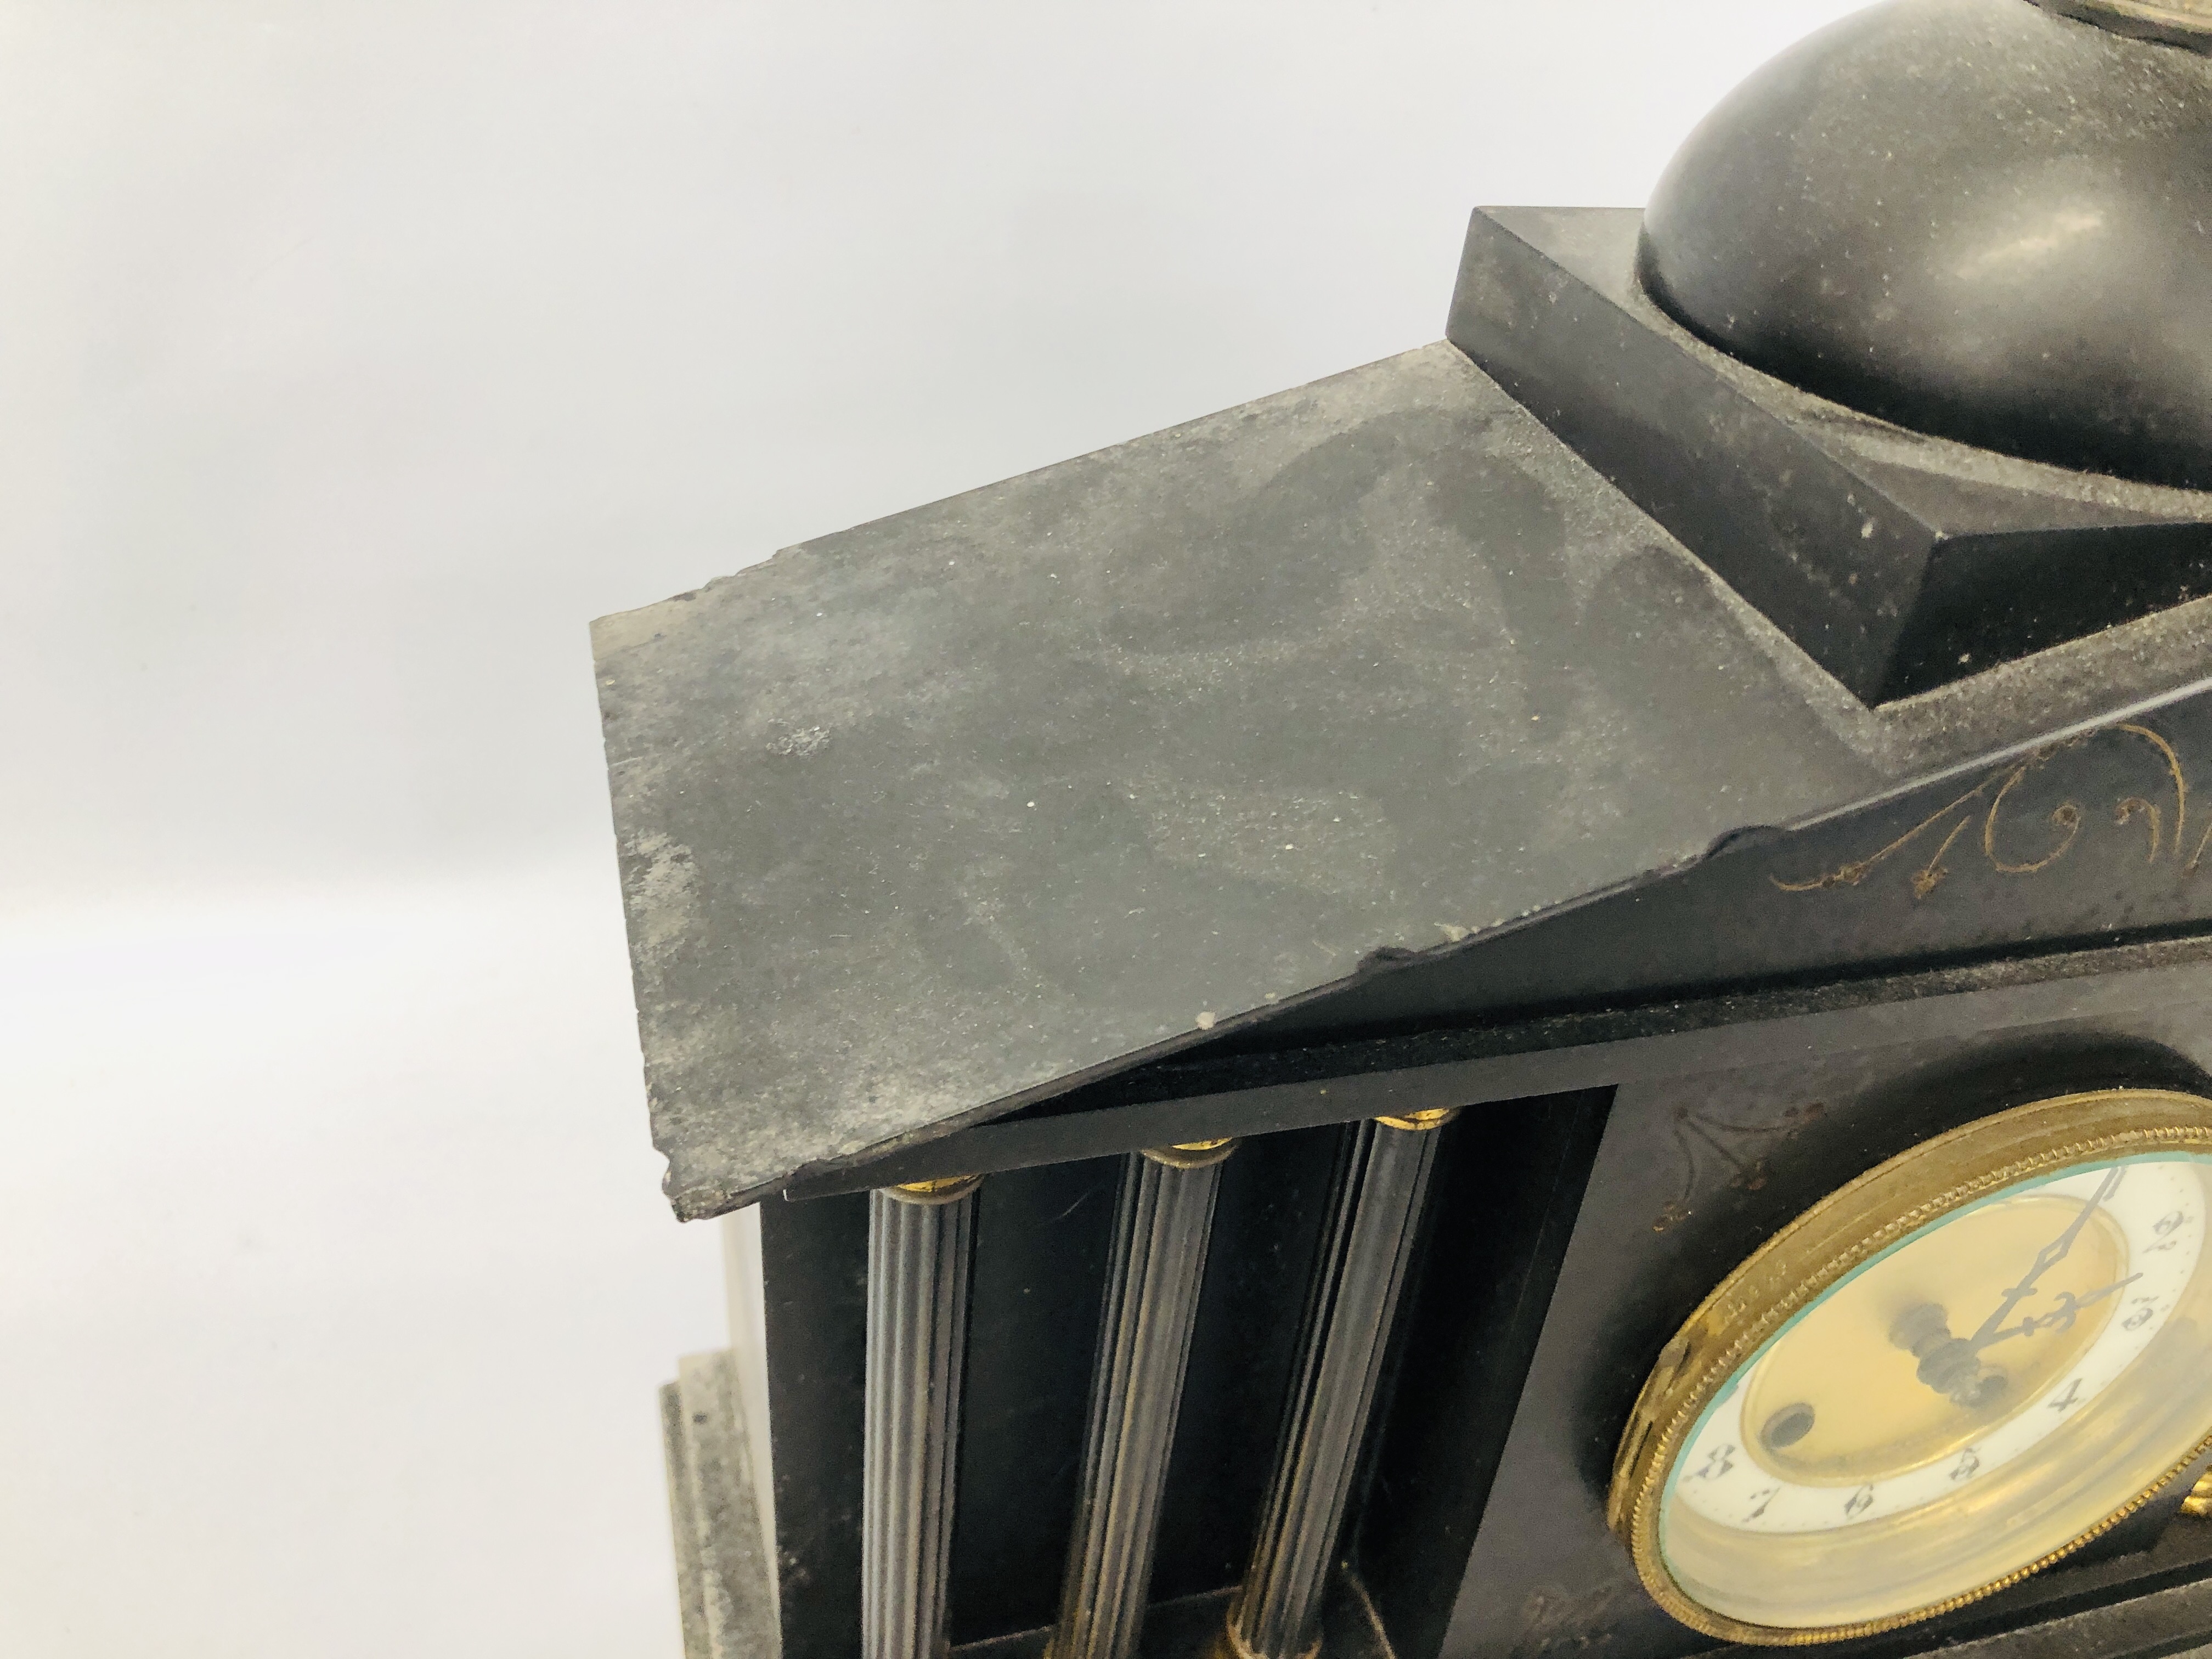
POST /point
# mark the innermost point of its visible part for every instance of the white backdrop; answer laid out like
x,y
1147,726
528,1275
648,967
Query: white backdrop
x,y
354,353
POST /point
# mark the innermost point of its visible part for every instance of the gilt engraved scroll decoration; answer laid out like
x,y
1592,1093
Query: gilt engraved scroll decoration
x,y
1985,820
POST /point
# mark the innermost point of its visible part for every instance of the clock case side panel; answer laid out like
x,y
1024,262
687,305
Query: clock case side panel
x,y
1694,1173
814,1270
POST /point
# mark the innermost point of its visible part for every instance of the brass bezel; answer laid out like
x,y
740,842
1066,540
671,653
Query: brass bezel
x,y
1830,1240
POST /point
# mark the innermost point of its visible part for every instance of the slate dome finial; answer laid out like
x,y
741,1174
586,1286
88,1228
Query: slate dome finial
x,y
1987,219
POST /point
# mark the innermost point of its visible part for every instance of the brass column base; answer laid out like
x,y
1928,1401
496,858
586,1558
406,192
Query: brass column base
x,y
1228,1644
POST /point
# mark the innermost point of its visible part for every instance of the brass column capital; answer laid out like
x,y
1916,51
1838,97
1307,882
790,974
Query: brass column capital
x,y
1431,1117
1192,1154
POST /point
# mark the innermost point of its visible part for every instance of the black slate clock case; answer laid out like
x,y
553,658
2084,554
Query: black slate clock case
x,y
1714,722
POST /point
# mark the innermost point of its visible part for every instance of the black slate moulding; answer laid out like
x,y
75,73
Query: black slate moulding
x,y
1898,560
1665,777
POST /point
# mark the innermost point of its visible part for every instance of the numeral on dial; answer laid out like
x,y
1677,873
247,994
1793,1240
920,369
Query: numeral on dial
x,y
1859,1502
1718,1462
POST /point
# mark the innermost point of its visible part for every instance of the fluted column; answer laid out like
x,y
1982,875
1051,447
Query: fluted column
x,y
920,1240
1374,1211
1163,1221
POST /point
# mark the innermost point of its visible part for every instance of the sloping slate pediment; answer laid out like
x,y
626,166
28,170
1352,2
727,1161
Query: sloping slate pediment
x,y
940,815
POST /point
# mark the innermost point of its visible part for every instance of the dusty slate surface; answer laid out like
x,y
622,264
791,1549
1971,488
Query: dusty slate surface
x,y
919,821
724,1593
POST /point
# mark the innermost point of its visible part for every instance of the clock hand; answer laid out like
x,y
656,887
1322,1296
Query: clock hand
x,y
2060,1317
2045,1259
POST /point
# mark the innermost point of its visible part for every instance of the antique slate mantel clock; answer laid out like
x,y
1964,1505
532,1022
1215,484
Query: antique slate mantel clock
x,y
1552,997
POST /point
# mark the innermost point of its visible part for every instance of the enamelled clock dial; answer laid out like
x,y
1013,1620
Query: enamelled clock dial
x,y
1939,1379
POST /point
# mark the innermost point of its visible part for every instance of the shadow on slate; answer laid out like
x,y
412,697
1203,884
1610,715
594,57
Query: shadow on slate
x,y
1899,562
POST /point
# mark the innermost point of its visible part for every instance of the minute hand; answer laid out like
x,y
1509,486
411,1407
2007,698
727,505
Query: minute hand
x,y
2045,1259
